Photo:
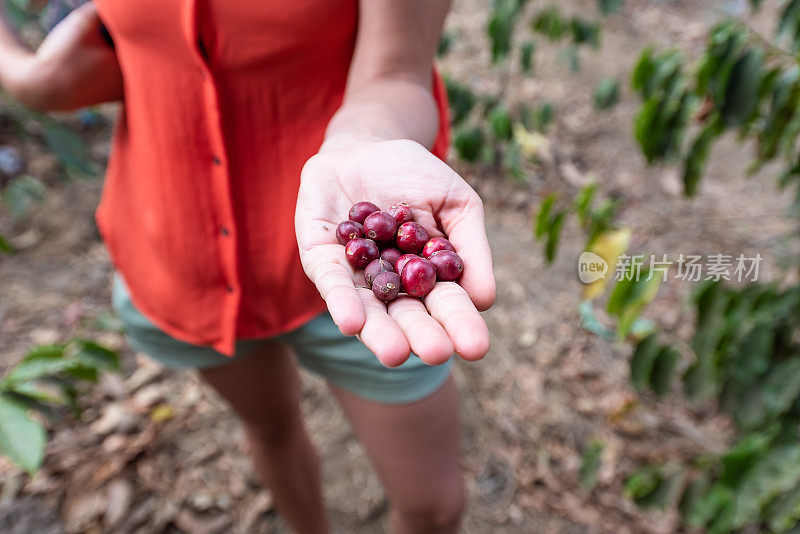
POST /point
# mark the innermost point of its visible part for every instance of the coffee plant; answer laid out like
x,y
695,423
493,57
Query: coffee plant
x,y
47,378
744,354
50,379
488,128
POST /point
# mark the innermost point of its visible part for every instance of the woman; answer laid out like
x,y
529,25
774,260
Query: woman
x,y
247,131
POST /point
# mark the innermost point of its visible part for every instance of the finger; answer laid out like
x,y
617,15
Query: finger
x,y
381,334
466,229
334,280
427,338
450,304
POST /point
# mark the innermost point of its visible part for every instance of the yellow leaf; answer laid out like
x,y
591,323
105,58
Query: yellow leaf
x,y
532,145
162,413
609,245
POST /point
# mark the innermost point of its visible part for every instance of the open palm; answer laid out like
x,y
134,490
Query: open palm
x,y
385,173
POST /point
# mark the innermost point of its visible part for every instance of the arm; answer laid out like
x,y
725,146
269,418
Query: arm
x,y
73,68
375,149
389,87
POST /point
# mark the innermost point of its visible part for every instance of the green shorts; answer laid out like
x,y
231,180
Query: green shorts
x,y
319,346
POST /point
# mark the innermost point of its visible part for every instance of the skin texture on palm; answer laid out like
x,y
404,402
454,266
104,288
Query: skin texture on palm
x,y
387,172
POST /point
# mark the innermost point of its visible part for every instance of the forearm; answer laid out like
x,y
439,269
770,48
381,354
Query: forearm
x,y
384,109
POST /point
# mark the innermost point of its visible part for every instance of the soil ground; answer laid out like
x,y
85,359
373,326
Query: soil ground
x,y
547,389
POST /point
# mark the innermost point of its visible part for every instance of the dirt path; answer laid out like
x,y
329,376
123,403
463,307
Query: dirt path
x,y
547,389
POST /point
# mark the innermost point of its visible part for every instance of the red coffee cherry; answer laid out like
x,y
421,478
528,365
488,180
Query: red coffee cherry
x,y
348,230
360,251
391,255
448,265
411,237
418,277
401,262
380,227
436,244
401,212
386,286
360,210
375,268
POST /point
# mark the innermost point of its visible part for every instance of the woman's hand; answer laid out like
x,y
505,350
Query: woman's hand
x,y
388,172
74,66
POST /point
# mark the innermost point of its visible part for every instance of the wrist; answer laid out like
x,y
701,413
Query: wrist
x,y
344,141
15,67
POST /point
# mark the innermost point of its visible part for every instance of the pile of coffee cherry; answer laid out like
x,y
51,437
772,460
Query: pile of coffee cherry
x,y
395,251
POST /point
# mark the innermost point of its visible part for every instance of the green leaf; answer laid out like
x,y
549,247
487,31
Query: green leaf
x,y
461,100
500,121
40,361
724,47
17,14
513,163
445,43
39,392
629,298
776,473
501,29
782,110
469,143
616,302
711,301
723,520
5,246
585,32
643,70
70,150
538,120
790,23
699,381
590,322
608,7
553,237
742,456
95,355
642,361
782,386
642,483
784,512
694,503
741,94
590,464
34,402
543,217
21,194
655,486
665,77
21,438
583,200
664,369
752,359
697,157
526,56
607,94
549,23
712,504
